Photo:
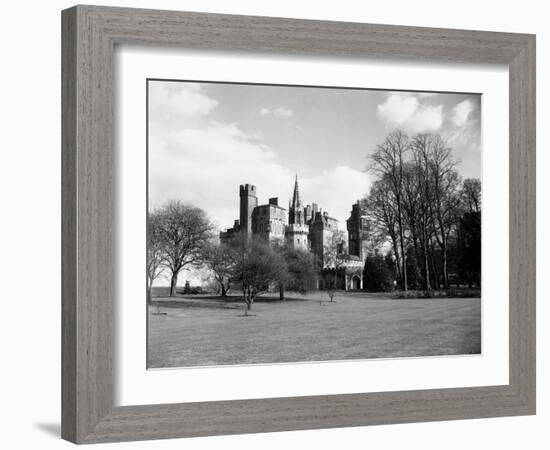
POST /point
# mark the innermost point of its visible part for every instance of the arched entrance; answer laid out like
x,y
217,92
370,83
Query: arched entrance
x,y
356,283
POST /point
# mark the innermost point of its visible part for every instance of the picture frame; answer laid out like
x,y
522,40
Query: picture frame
x,y
89,37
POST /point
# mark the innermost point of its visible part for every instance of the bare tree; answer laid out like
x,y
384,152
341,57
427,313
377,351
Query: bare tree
x,y
387,161
469,232
471,194
416,204
413,202
300,269
382,214
258,266
424,184
155,255
444,184
333,262
183,231
221,260
300,274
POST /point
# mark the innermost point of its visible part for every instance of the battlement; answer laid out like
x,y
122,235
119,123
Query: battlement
x,y
247,189
297,228
321,219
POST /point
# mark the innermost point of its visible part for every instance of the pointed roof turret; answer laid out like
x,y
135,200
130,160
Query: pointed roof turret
x,y
296,211
296,196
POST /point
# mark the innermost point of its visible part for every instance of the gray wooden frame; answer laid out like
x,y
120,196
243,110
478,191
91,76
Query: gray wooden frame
x,y
89,36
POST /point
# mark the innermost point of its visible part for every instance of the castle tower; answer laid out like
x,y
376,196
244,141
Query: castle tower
x,y
321,232
269,221
357,226
248,201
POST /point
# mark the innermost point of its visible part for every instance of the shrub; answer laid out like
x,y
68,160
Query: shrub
x,y
377,277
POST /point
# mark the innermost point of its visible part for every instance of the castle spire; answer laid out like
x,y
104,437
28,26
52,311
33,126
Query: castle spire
x,y
296,196
296,213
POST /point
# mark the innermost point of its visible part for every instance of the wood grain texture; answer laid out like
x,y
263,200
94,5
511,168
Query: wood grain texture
x,y
68,226
89,36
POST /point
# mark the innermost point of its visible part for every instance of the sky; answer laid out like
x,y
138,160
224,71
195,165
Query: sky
x,y
205,139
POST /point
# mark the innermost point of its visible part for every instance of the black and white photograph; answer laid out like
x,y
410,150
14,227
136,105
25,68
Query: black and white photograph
x,y
291,224
266,225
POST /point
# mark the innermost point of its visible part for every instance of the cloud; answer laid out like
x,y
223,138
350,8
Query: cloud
x,y
407,112
205,166
427,118
461,112
277,112
283,112
465,135
167,99
465,138
335,190
397,108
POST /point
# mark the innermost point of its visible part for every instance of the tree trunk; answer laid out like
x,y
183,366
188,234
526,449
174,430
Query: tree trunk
x,y
427,283
403,253
445,275
224,290
404,269
173,283
417,256
397,260
281,292
435,275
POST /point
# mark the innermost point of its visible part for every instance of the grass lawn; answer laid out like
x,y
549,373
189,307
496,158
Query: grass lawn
x,y
202,331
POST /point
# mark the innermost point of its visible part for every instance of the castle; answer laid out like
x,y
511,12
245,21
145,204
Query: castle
x,y
308,228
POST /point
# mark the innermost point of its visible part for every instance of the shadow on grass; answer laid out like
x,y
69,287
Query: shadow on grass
x,y
210,301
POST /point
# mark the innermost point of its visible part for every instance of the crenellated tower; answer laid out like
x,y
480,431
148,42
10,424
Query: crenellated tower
x,y
248,201
357,226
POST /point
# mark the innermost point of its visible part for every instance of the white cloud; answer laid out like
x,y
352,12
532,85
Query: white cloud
x,y
206,167
277,112
186,99
283,112
335,190
427,118
461,112
398,108
405,111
